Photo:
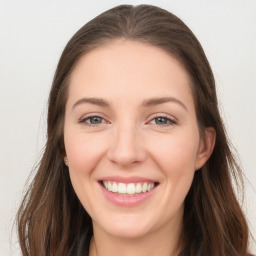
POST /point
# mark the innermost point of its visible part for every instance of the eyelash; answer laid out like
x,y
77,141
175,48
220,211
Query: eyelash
x,y
169,121
84,120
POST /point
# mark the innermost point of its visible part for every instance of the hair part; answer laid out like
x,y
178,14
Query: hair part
x,y
52,221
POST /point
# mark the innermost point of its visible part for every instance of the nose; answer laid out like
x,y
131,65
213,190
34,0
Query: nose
x,y
126,147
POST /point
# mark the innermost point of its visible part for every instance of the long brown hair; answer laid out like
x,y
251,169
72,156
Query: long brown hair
x,y
52,221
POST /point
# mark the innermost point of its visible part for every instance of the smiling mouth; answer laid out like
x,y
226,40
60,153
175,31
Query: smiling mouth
x,y
129,189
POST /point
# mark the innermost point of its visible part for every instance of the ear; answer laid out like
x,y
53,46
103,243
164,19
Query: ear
x,y
206,146
65,160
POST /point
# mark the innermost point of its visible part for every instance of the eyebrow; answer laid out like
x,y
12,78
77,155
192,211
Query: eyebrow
x,y
147,103
94,101
158,101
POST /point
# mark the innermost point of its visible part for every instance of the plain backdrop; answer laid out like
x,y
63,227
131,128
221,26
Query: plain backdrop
x,y
32,37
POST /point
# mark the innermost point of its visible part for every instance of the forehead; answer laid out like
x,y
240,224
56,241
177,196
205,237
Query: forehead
x,y
125,69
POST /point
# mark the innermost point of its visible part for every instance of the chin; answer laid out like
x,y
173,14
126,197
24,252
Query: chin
x,y
128,228
129,232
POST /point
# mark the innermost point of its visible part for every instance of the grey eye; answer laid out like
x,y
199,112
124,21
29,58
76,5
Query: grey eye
x,y
94,120
161,120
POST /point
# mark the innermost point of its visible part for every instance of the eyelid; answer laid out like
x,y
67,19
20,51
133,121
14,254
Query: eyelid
x,y
172,119
93,114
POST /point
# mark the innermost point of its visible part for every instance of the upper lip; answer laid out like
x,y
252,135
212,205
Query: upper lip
x,y
132,179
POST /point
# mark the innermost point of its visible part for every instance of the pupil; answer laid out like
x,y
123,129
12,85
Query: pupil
x,y
161,120
95,120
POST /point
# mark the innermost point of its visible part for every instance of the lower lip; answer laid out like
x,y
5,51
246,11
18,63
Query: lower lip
x,y
121,200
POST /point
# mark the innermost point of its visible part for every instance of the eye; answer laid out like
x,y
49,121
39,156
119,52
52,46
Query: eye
x,y
92,120
162,121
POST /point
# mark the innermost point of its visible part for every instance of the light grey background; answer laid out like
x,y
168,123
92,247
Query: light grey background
x,y
32,36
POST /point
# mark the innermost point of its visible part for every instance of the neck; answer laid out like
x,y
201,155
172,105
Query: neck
x,y
164,242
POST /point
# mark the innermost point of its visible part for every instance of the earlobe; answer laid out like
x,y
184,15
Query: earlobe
x,y
207,143
66,161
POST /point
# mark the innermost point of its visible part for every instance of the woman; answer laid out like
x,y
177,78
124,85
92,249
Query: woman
x,y
136,161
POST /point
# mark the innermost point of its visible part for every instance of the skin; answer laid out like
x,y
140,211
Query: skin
x,y
129,140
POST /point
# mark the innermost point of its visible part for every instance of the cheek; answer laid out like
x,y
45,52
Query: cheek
x,y
176,155
83,152
179,170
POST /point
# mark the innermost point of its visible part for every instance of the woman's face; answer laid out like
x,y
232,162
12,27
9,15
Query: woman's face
x,y
131,138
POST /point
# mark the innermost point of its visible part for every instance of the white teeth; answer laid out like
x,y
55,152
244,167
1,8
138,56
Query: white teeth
x,y
109,186
121,188
144,187
114,187
150,186
128,189
138,188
